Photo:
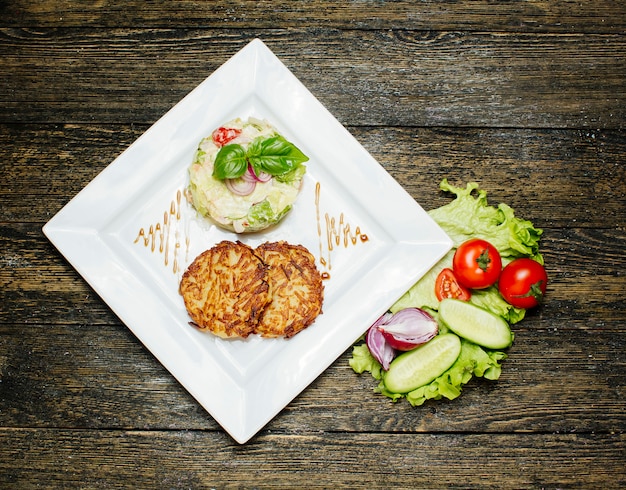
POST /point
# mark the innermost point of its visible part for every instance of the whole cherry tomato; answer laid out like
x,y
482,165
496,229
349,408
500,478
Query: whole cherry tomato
x,y
523,283
477,264
222,135
447,286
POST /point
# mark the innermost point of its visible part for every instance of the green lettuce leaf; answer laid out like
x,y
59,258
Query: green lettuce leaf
x,y
490,299
470,216
296,173
261,215
362,360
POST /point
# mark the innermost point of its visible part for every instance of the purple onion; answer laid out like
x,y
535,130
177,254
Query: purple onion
x,y
252,176
379,347
409,328
240,186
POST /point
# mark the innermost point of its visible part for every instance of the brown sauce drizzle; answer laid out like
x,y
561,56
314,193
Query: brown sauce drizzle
x,y
158,237
336,233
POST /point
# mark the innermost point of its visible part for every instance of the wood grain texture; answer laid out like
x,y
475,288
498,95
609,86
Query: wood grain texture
x,y
393,78
182,459
57,161
38,285
555,380
535,16
526,98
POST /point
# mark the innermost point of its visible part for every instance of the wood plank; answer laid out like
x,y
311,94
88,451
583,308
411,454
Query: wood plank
x,y
38,285
192,459
578,175
476,15
34,272
527,98
564,373
398,78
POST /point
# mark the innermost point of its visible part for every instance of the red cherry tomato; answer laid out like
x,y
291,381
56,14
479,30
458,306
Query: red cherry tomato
x,y
222,135
447,286
523,283
477,264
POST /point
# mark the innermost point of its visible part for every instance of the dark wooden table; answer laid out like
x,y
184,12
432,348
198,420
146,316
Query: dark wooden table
x,y
526,98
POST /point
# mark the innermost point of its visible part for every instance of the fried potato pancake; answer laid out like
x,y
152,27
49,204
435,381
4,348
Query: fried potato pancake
x,y
295,287
225,290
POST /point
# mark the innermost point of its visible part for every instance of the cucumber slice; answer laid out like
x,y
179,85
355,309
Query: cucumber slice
x,y
475,324
420,366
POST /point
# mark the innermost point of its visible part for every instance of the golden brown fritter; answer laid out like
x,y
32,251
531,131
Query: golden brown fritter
x,y
233,290
295,287
225,290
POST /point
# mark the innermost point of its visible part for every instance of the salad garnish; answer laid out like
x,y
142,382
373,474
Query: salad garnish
x,y
478,314
274,156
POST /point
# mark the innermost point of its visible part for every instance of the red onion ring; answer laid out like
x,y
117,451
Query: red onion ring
x,y
240,186
250,174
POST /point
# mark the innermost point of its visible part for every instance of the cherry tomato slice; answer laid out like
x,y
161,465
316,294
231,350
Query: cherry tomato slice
x,y
447,286
523,283
222,135
477,264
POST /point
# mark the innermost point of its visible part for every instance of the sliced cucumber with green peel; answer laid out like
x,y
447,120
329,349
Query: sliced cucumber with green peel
x,y
475,324
420,366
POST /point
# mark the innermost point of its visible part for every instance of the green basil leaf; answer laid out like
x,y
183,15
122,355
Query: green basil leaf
x,y
230,162
274,155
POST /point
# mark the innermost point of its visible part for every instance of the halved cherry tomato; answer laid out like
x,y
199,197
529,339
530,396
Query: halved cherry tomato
x,y
523,283
447,286
222,135
477,264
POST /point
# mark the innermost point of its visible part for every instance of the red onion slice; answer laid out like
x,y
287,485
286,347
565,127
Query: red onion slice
x,y
379,347
251,175
240,186
383,319
263,177
409,328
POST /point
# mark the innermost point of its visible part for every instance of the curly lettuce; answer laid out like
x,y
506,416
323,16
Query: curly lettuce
x,y
468,216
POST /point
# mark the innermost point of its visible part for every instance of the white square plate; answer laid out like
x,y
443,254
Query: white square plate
x,y
131,233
